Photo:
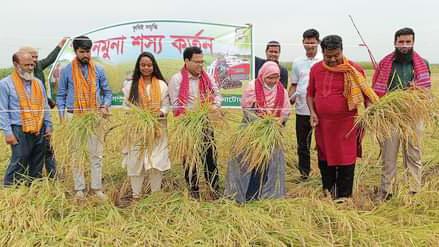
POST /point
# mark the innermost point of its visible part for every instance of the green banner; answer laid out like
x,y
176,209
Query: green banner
x,y
227,51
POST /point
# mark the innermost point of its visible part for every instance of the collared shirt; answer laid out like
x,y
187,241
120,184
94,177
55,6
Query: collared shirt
x,y
65,97
10,111
174,90
300,77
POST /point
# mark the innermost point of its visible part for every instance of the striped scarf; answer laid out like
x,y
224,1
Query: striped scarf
x,y
84,89
31,106
381,76
152,100
355,86
204,86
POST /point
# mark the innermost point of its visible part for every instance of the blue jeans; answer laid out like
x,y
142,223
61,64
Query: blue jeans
x,y
26,162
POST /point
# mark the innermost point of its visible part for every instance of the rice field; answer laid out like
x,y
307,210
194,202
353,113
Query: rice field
x,y
46,213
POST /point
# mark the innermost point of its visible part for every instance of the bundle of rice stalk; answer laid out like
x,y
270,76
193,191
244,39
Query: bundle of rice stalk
x,y
70,139
399,112
142,129
191,136
256,142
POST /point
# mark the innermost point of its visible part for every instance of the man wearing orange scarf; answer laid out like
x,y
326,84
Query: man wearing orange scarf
x,y
24,119
40,66
83,87
337,87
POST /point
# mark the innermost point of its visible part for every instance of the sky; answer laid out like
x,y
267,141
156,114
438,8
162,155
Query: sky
x,y
42,23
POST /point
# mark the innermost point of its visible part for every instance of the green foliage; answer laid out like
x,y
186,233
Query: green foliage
x,y
5,72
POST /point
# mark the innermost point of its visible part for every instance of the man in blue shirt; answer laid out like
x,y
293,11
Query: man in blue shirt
x,y
24,119
71,98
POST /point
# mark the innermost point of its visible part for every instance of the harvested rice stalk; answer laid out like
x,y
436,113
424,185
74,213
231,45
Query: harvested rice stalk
x,y
191,135
142,128
256,141
399,112
70,139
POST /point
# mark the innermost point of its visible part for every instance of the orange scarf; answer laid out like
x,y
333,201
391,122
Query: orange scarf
x,y
32,107
355,86
153,100
84,89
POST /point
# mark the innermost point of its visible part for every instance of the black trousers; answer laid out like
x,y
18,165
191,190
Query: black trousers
x,y
210,168
338,180
49,159
303,134
26,162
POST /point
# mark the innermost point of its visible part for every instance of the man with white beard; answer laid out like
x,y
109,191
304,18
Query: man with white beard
x,y
40,66
25,120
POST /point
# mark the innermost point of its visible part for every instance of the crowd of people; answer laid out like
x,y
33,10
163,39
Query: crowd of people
x,y
325,86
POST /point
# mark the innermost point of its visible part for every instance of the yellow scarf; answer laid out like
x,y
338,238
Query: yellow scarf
x,y
355,86
84,89
153,100
32,107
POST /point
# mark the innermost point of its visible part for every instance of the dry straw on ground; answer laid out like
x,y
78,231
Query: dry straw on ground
x,y
45,214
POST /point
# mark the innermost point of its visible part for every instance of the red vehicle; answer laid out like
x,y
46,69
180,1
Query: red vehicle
x,y
230,71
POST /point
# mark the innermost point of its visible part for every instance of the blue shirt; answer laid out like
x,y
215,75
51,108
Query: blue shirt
x,y
65,96
10,111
